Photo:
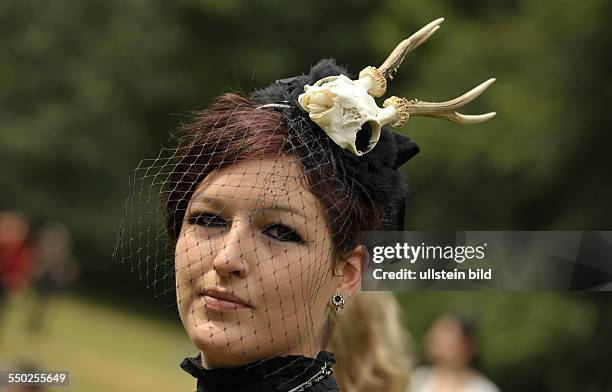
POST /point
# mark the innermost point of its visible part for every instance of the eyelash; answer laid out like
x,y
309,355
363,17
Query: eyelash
x,y
289,236
212,220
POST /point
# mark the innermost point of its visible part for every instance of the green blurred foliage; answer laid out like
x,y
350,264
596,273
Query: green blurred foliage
x,y
88,88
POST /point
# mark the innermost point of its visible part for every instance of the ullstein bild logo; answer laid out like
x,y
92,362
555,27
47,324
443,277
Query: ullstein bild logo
x,y
433,274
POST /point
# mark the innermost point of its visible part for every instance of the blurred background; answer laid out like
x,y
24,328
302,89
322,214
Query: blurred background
x,y
88,88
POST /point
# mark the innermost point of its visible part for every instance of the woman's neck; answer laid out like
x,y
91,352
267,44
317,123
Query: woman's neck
x,y
211,361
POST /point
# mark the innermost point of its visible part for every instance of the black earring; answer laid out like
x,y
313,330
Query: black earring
x,y
337,300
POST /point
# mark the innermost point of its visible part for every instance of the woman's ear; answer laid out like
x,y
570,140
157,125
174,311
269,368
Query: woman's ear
x,y
350,270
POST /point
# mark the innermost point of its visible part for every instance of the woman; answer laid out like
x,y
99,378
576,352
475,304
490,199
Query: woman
x,y
264,201
256,265
452,349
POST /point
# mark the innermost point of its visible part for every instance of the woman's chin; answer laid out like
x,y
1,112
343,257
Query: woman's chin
x,y
224,353
230,344
224,359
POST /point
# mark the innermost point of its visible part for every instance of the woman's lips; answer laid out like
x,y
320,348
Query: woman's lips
x,y
223,301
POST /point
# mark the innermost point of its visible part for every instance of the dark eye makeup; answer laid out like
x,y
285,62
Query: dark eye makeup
x,y
276,231
207,219
283,233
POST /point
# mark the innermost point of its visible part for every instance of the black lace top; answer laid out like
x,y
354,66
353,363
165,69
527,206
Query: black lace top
x,y
294,373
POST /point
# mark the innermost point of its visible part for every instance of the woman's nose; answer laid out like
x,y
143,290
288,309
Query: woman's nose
x,y
232,256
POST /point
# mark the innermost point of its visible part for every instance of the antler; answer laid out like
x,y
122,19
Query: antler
x,y
398,110
375,79
392,63
401,108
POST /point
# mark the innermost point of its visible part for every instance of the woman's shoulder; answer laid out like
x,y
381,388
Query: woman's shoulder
x,y
419,378
481,383
478,383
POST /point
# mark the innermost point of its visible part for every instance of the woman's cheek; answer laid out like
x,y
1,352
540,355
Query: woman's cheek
x,y
194,253
180,263
190,260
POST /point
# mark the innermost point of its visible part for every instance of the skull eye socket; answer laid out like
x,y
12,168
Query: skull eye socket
x,y
363,137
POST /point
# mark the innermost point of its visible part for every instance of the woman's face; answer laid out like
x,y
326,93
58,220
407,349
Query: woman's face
x,y
446,344
253,264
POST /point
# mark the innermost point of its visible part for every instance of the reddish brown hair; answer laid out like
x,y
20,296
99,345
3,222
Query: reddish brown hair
x,y
234,130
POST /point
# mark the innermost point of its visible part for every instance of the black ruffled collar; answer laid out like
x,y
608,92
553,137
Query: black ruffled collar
x,y
271,375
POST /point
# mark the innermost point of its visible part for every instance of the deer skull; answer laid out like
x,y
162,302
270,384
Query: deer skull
x,y
345,111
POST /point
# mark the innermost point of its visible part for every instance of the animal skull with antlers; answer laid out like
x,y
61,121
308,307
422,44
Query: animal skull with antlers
x,y
346,110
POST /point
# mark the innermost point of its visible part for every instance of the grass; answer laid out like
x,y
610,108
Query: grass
x,y
105,349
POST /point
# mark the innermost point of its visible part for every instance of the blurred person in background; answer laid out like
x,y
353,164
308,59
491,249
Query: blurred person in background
x,y
452,349
15,256
371,345
54,270
15,251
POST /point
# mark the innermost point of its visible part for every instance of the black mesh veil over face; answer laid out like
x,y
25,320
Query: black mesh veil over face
x,y
249,220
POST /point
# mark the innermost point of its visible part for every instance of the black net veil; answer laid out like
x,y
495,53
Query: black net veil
x,y
244,223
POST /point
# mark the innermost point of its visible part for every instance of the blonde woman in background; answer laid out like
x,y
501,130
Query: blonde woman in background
x,y
371,345
452,349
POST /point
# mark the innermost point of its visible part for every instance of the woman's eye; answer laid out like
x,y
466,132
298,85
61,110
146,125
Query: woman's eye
x,y
207,220
283,233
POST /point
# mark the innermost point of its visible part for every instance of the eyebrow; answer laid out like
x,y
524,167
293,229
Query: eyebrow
x,y
211,201
219,205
